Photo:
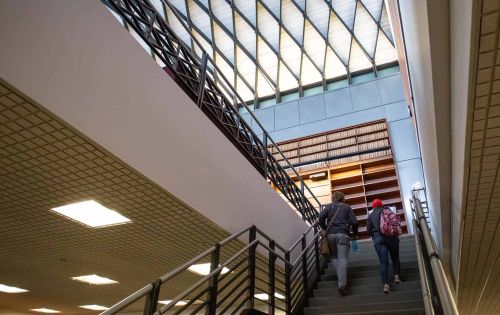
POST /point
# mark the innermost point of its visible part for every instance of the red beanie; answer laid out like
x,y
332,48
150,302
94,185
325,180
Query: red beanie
x,y
377,203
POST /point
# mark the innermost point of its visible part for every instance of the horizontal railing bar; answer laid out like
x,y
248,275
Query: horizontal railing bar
x,y
234,299
232,237
221,301
129,300
197,309
233,268
275,253
228,283
269,239
192,300
186,265
239,306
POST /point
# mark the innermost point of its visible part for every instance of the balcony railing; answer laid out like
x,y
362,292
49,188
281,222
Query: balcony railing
x,y
208,87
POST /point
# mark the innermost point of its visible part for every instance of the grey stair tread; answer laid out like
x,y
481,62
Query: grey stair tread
x,y
401,306
331,282
374,260
371,263
368,273
413,311
372,266
379,297
368,288
371,251
353,258
406,268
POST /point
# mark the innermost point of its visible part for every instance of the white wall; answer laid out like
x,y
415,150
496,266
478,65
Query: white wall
x,y
75,59
438,43
426,27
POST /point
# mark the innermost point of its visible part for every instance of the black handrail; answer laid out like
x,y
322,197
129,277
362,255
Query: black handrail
x,y
208,87
259,268
438,297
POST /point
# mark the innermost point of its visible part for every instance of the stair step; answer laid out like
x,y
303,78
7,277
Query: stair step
x,y
374,262
371,251
413,311
368,289
366,298
332,283
353,258
368,308
405,268
330,274
372,266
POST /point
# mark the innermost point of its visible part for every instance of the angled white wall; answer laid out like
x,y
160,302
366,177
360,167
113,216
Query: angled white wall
x,y
75,59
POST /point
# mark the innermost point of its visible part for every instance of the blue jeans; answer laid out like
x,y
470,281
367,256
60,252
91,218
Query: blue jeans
x,y
385,247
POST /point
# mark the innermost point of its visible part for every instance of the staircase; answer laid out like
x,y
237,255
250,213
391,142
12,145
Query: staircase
x,y
365,288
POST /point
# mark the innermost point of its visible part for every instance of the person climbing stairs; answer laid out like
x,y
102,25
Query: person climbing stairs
x,y
365,294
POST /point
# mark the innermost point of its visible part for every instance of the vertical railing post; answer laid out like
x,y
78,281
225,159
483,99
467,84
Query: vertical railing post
x,y
213,283
203,76
152,298
302,201
272,285
305,281
251,268
316,252
288,284
264,135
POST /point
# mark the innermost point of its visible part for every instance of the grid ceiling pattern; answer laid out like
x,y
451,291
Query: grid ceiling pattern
x,y
267,47
479,270
44,164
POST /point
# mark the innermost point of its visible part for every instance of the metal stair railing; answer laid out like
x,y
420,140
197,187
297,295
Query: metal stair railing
x,y
260,265
438,297
207,86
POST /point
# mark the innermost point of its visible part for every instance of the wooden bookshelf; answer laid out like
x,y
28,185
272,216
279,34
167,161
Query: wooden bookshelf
x,y
362,177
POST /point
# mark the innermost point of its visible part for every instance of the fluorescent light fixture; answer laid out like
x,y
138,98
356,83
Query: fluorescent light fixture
x,y
94,279
180,303
44,310
204,269
265,296
7,289
91,214
95,307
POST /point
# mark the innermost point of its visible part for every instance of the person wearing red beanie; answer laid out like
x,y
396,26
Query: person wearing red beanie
x,y
384,245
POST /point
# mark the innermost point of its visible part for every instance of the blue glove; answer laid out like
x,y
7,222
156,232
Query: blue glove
x,y
354,246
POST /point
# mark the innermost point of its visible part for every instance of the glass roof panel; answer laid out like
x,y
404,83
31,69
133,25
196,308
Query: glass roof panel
x,y
268,26
374,7
337,36
222,10
293,19
365,30
318,11
345,9
314,45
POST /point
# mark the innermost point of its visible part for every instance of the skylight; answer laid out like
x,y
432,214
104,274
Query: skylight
x,y
297,42
94,279
91,214
8,289
204,269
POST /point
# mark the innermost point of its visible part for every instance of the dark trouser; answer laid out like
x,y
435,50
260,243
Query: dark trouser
x,y
386,246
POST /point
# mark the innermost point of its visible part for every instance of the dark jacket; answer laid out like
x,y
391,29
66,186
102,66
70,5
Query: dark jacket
x,y
343,222
373,222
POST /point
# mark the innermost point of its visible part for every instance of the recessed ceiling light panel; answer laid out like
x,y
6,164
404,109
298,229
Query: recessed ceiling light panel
x,y
180,303
8,289
44,310
94,279
204,269
95,307
91,214
265,296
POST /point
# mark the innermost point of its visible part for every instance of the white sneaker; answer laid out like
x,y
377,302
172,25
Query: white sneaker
x,y
386,288
397,280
